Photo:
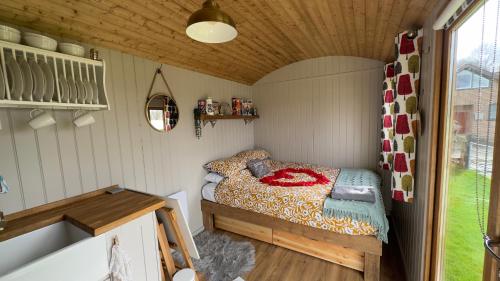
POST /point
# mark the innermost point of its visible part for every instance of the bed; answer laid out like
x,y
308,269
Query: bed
x,y
292,216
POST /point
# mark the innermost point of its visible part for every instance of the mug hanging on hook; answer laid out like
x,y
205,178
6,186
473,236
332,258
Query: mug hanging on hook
x,y
161,109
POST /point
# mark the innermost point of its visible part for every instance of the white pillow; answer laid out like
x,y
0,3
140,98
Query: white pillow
x,y
208,191
214,177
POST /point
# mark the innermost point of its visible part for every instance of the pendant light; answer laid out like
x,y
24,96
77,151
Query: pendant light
x,y
211,25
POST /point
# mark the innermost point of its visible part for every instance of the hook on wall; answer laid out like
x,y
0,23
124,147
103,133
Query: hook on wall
x,y
116,241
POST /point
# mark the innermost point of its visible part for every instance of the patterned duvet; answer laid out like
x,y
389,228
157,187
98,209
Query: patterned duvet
x,y
298,204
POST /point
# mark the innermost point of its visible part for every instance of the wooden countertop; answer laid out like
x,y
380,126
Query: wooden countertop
x,y
95,212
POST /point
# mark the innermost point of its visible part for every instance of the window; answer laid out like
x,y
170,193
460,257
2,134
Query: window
x,y
466,160
478,116
475,81
469,80
157,120
493,112
464,79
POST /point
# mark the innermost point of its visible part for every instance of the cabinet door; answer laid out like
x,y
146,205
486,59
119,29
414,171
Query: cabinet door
x,y
138,239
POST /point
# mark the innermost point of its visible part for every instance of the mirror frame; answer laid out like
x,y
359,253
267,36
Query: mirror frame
x,y
148,100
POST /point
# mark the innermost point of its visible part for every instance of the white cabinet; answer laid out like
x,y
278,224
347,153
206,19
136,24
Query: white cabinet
x,y
62,252
138,239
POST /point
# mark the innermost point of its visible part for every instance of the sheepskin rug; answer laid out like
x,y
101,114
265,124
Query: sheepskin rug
x,y
221,257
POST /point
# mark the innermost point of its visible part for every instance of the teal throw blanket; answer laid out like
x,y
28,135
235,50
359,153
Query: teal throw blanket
x,y
373,213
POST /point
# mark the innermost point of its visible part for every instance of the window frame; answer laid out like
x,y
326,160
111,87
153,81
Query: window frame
x,y
432,256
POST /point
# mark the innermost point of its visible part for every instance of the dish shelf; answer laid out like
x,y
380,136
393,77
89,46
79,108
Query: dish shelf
x,y
79,75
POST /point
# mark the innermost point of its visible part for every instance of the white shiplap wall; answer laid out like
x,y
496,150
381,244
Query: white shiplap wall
x,y
324,111
120,148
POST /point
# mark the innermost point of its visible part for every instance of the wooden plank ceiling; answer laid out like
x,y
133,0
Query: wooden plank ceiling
x,y
272,34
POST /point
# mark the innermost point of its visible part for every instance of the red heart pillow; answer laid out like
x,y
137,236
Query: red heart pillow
x,y
274,180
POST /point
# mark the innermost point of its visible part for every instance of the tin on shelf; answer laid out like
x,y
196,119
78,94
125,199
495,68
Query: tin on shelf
x,y
202,106
236,106
94,54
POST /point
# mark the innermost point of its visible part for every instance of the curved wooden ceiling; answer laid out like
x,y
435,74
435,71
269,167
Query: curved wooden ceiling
x,y
272,33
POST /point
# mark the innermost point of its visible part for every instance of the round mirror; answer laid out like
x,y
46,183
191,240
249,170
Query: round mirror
x,y
161,112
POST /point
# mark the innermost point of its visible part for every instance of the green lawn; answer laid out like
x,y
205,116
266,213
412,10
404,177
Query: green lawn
x,y
464,250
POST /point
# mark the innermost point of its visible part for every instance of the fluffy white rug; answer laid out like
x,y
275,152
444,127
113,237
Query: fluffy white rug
x,y
222,258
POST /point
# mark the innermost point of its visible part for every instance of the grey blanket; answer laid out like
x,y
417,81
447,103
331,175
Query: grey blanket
x,y
354,193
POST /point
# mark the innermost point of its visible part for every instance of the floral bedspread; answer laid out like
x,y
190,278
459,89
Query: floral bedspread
x,y
298,204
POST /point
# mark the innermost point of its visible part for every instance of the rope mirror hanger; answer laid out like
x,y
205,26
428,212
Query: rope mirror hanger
x,y
161,109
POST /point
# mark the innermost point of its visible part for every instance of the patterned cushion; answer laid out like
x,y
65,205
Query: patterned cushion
x,y
226,167
258,167
253,154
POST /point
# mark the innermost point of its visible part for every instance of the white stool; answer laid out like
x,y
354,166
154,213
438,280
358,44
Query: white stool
x,y
186,274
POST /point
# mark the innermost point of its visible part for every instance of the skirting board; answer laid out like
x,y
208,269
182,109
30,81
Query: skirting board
x,y
197,231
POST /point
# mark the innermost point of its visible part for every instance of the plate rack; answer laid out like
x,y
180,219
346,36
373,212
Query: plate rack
x,y
67,66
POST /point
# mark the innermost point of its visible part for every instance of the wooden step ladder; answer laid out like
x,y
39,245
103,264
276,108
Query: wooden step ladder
x,y
168,265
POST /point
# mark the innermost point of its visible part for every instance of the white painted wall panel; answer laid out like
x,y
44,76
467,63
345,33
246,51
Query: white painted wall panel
x,y
120,148
28,159
14,200
101,157
49,158
324,111
86,159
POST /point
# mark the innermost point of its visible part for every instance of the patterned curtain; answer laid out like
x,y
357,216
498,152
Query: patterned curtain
x,y
403,110
386,152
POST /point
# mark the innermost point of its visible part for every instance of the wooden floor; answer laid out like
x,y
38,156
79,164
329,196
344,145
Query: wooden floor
x,y
276,263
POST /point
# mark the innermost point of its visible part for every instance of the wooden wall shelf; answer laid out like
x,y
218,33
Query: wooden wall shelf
x,y
214,118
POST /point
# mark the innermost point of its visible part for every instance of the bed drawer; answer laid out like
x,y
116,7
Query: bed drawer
x,y
244,228
326,251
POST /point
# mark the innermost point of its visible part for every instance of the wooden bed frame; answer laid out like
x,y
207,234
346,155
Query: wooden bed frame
x,y
358,252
